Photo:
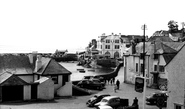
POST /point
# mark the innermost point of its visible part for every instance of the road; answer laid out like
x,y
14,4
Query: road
x,y
78,102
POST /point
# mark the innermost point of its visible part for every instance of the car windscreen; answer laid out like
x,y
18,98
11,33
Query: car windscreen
x,y
104,100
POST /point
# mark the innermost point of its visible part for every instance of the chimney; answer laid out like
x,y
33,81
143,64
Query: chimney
x,y
120,34
38,63
30,58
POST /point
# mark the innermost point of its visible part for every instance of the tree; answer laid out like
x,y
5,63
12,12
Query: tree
x,y
173,26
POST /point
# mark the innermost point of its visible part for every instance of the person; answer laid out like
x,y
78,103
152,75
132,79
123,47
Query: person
x,y
113,80
117,83
135,103
115,87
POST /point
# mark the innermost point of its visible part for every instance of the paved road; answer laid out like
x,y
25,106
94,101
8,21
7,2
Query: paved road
x,y
126,91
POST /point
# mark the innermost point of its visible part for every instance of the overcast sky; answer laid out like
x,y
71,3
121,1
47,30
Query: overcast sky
x,y
47,25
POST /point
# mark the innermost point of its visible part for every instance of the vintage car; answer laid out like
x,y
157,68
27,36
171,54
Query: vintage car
x,y
95,99
156,96
90,84
113,101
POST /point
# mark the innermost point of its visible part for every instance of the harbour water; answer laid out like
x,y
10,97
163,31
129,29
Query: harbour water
x,y
76,75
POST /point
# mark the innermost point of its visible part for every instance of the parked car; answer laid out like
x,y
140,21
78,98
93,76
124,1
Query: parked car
x,y
99,81
152,99
90,84
95,78
113,101
95,99
87,77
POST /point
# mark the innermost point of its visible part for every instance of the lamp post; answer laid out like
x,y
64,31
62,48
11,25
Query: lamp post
x,y
144,73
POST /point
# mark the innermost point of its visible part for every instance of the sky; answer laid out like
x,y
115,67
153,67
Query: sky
x,y
47,25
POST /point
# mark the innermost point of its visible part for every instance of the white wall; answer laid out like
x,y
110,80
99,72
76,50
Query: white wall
x,y
176,81
66,90
46,90
27,92
60,79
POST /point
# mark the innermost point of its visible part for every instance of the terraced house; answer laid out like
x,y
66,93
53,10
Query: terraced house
x,y
158,54
31,77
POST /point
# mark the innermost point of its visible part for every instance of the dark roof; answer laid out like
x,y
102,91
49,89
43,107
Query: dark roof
x,y
161,33
9,79
162,49
54,68
175,45
168,57
17,64
160,39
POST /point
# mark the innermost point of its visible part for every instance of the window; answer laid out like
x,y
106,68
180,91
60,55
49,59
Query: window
x,y
141,55
141,68
116,41
161,68
55,79
116,46
136,67
177,106
65,79
107,41
101,46
107,46
155,67
155,56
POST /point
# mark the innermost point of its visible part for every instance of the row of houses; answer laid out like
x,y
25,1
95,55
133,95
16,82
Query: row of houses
x,y
32,77
164,66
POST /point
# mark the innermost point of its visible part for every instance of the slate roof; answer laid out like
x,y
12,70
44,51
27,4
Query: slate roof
x,y
53,68
168,57
9,79
160,39
175,45
16,64
161,48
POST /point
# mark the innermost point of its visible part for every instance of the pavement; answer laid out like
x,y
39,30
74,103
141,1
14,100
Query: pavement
x,y
78,102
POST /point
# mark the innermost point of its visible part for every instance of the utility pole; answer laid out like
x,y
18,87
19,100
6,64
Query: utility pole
x,y
144,73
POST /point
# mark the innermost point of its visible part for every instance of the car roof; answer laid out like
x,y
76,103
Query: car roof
x,y
110,97
158,92
100,94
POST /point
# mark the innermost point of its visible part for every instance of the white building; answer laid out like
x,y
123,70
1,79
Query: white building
x,y
110,45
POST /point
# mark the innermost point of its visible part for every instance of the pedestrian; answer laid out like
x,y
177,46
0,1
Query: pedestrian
x,y
114,87
117,83
113,79
108,80
135,103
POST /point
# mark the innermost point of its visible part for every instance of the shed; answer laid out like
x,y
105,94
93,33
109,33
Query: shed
x,y
11,87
